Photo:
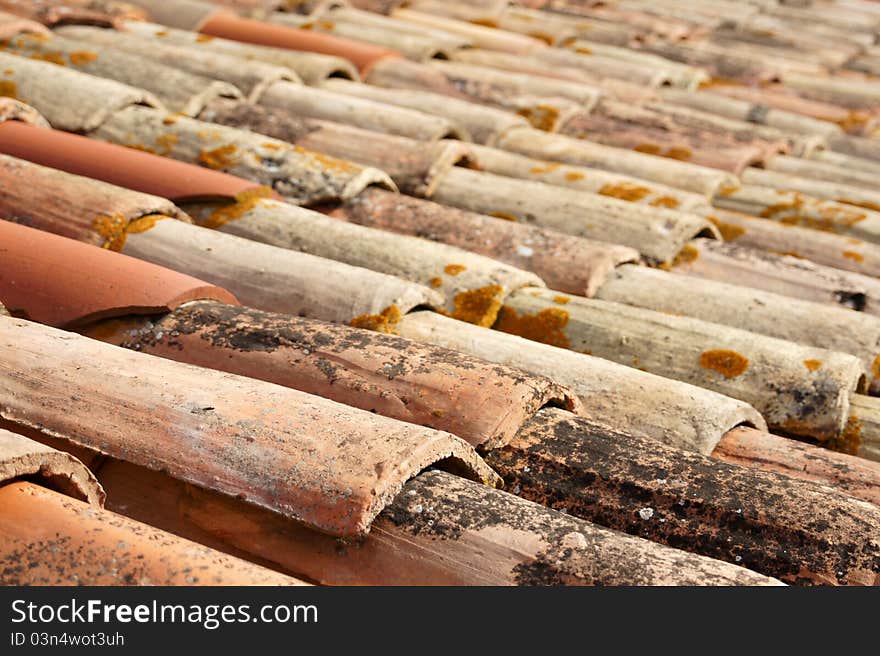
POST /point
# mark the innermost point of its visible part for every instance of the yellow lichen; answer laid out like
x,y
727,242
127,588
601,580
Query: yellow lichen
x,y
852,255
478,306
679,152
720,82
686,255
82,57
52,57
8,89
875,368
665,201
504,215
648,148
625,191
547,326
436,282
219,159
561,300
323,25
144,223
384,322
542,117
204,38
545,167
729,231
849,439
868,205
854,122
114,229
454,269
830,218
543,36
574,176
137,146
245,201
813,365
673,152
334,164
729,364
167,142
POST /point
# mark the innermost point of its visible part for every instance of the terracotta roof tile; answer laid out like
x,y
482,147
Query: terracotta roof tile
x,y
725,506
706,147
766,372
362,55
566,263
88,100
855,476
52,12
760,312
302,176
22,458
108,216
299,174
821,247
335,361
569,65
660,129
312,67
178,91
62,282
12,25
480,35
181,14
81,208
124,167
16,111
251,77
780,273
560,148
681,75
297,102
455,273
414,42
657,233
414,166
585,178
440,530
693,418
388,375
321,463
50,539
483,124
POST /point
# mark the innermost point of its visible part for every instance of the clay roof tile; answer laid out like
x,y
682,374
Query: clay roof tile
x,y
329,466
62,282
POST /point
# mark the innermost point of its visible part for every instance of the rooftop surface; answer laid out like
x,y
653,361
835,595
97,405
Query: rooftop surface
x,y
553,292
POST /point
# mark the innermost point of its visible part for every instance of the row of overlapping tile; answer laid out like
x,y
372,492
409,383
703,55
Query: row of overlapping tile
x,y
262,167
